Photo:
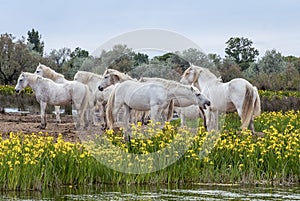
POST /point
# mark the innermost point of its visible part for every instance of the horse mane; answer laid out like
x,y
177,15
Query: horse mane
x,y
167,83
50,73
88,75
206,71
120,75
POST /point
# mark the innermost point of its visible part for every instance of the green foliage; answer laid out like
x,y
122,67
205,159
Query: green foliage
x,y
140,58
14,58
36,161
34,38
9,90
241,50
278,94
272,62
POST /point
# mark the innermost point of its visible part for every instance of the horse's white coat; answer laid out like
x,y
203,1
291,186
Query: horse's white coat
x,y
49,73
238,94
49,92
184,99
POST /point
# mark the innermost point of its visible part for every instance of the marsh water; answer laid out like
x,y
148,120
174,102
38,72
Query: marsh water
x,y
154,192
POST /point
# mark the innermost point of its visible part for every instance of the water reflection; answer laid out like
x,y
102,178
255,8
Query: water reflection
x,y
148,192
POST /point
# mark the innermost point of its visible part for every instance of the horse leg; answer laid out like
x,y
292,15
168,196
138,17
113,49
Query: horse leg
x,y
57,114
81,114
92,116
115,112
155,111
101,109
252,126
202,115
43,115
126,122
182,117
211,119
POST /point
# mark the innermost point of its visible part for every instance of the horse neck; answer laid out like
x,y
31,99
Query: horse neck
x,y
206,80
56,77
33,83
179,90
125,78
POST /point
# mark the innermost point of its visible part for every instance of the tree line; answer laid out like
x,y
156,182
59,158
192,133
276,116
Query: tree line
x,y
271,71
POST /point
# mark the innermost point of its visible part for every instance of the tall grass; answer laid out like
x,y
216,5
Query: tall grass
x,y
37,161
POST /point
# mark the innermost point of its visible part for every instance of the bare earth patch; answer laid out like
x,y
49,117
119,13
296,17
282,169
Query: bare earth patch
x,y
27,124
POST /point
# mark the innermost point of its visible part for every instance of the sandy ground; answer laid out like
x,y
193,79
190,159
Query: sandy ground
x,y
16,122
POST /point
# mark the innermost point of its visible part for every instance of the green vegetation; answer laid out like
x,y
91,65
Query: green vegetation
x,y
35,161
272,71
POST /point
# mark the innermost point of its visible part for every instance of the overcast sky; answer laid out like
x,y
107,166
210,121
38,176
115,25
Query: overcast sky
x,y
270,24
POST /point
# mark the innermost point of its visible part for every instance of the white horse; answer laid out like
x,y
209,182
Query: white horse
x,y
144,96
48,92
49,73
238,94
97,98
183,99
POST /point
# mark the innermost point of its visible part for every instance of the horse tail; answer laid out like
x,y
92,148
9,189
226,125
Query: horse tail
x,y
170,110
248,104
257,104
109,108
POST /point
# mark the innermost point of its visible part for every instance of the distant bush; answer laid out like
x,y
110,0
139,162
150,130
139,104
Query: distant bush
x,y
9,89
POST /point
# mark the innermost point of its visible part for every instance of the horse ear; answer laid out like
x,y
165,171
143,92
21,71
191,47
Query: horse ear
x,y
116,78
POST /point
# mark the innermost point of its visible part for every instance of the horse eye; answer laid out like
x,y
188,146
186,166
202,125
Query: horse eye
x,y
106,76
198,94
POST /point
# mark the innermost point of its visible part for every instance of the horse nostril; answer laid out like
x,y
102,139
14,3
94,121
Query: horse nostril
x,y
100,88
208,103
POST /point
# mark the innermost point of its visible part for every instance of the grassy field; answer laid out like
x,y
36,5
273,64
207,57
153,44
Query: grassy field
x,y
158,155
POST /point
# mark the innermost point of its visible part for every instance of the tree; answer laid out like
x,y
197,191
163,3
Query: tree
x,y
295,61
271,63
14,58
216,59
140,58
80,53
119,58
60,56
241,51
198,58
229,70
34,40
78,59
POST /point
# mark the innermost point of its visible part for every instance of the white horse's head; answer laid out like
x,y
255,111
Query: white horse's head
x,y
22,83
39,70
112,76
109,78
203,101
189,76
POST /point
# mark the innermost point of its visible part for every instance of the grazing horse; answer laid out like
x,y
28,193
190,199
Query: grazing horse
x,y
49,73
149,94
48,92
238,94
182,100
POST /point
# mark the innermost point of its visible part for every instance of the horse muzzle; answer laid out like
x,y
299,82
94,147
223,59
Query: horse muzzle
x,y
17,91
100,88
207,103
